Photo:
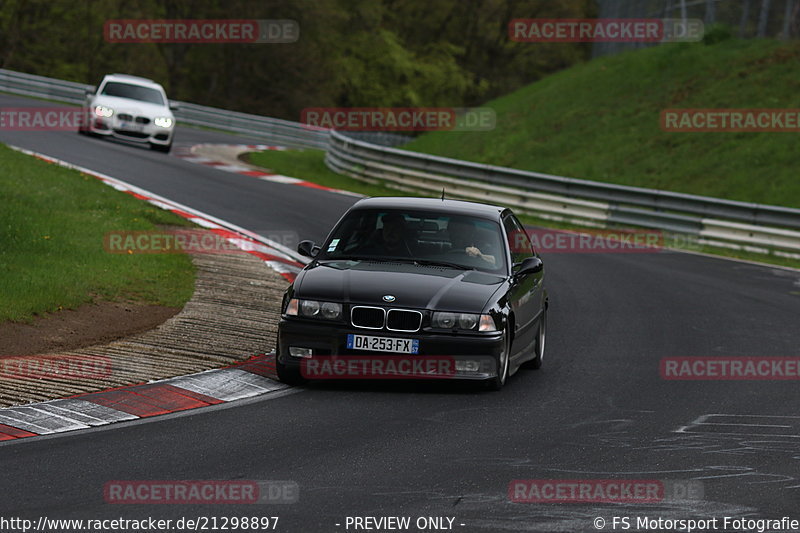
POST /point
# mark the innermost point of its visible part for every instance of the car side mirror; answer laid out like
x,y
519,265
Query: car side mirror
x,y
90,90
174,106
530,265
307,248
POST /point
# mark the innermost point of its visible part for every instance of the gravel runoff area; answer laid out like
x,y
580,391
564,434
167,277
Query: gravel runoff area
x,y
232,316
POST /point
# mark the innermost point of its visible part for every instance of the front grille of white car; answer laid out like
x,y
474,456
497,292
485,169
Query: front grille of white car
x,y
127,117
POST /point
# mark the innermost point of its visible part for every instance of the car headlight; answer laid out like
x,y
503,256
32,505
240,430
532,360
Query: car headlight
x,y
444,320
162,122
309,308
102,111
465,321
331,310
314,309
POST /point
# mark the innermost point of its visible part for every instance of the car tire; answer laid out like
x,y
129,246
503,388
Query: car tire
x,y
541,337
287,374
496,383
161,147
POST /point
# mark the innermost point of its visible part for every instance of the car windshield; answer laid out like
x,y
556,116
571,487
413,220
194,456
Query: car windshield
x,y
133,92
457,241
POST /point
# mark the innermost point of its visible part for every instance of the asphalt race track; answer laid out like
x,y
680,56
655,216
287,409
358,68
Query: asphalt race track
x,y
598,408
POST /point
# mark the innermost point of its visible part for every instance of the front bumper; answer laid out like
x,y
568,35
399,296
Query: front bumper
x,y
329,342
144,133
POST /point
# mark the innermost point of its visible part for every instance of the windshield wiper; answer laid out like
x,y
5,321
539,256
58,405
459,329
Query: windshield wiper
x,y
432,262
425,262
346,258
373,258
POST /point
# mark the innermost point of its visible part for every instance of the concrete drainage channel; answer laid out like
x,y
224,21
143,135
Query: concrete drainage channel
x,y
230,322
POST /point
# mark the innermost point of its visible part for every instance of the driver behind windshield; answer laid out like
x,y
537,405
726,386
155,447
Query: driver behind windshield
x,y
392,238
462,237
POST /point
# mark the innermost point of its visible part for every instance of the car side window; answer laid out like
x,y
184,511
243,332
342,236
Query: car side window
x,y
518,241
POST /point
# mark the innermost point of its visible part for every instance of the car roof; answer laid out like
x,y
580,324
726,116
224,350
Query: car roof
x,y
459,207
127,78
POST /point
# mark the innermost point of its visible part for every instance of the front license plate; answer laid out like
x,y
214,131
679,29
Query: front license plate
x,y
130,126
382,344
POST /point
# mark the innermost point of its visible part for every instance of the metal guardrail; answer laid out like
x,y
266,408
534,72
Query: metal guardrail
x,y
42,87
272,130
284,132
572,200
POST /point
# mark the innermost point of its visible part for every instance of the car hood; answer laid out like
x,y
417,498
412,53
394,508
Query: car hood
x,y
120,105
413,286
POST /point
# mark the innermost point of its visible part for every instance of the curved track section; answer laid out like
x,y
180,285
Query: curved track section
x,y
598,408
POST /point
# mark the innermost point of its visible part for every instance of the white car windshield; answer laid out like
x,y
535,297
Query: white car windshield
x,y
133,92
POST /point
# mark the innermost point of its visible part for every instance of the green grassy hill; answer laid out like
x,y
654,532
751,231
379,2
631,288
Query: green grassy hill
x,y
601,121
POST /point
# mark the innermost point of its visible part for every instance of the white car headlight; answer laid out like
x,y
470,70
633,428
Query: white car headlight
x,y
102,111
163,122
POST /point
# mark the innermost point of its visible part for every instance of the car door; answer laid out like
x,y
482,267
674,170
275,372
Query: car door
x,y
525,293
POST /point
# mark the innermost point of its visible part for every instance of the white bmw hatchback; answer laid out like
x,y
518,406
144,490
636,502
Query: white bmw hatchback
x,y
130,108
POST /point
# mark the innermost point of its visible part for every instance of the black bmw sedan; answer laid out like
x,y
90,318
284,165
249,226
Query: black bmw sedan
x,y
416,288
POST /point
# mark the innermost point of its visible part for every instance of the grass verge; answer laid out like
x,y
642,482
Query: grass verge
x,y
52,226
601,120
